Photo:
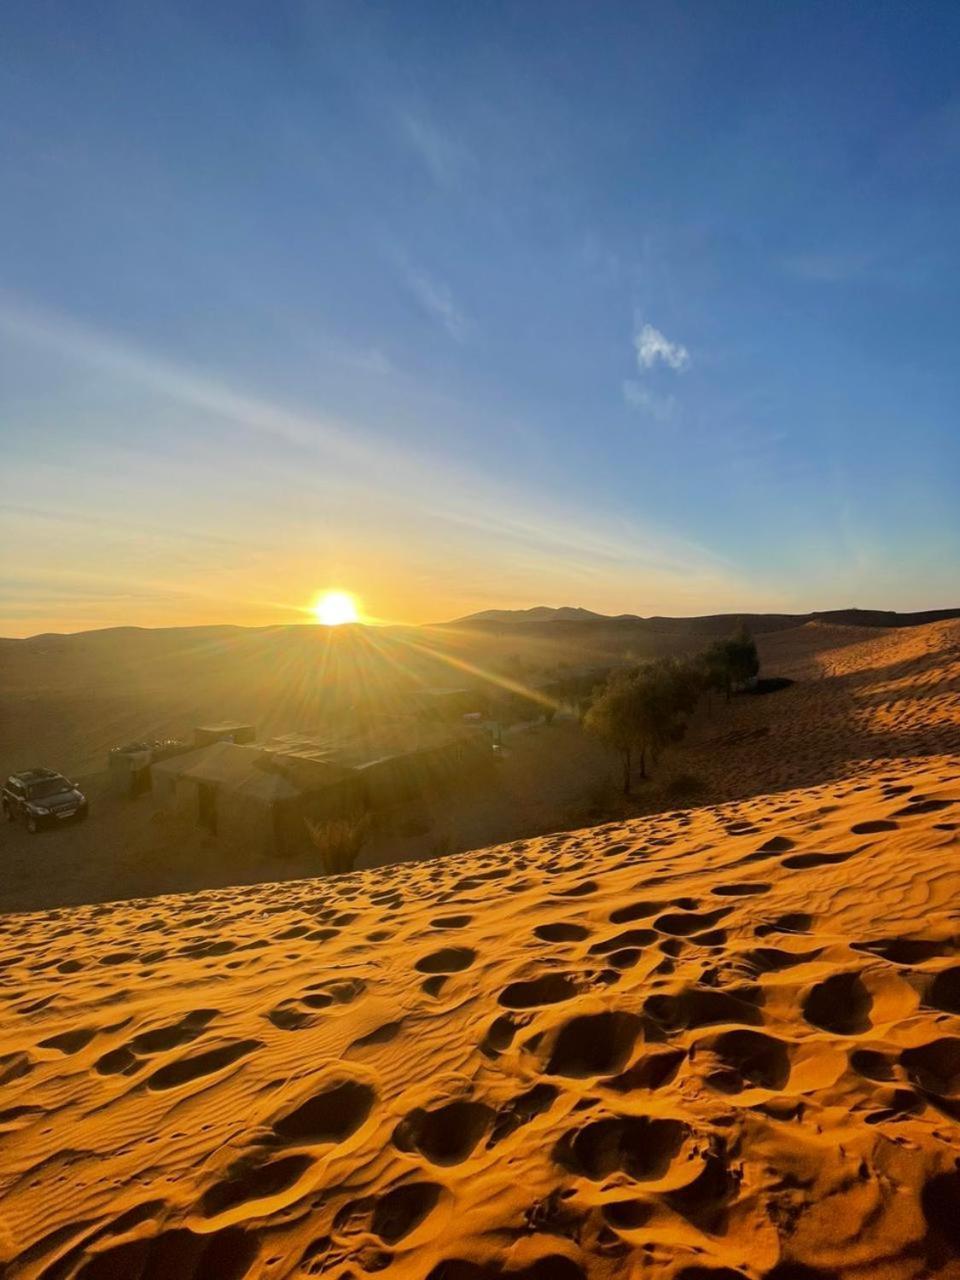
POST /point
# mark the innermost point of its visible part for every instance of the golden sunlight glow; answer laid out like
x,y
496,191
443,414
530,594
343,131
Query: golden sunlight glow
x,y
334,608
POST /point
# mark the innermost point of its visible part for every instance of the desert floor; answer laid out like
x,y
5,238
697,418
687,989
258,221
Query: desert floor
x,y
720,1042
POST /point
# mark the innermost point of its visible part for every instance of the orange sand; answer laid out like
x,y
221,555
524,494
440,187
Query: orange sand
x,y
713,1044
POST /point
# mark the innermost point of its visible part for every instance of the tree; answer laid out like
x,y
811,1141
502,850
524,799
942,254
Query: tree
x,y
728,664
615,718
639,712
672,688
742,656
714,668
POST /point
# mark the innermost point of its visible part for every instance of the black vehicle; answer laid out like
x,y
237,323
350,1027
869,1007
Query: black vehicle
x,y
42,798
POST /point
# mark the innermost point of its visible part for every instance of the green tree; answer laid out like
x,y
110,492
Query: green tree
x,y
743,658
639,712
715,669
728,664
614,717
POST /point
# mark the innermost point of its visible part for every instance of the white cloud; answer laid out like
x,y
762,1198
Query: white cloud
x,y
637,396
651,346
437,301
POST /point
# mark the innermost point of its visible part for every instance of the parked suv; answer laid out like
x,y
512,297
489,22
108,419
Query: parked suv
x,y
42,798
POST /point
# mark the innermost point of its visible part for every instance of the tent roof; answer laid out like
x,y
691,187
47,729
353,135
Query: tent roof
x,y
253,769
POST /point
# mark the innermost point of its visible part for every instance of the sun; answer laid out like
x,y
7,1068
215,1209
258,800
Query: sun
x,y
334,608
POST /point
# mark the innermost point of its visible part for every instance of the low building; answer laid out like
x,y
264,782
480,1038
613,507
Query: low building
x,y
130,766
228,732
259,796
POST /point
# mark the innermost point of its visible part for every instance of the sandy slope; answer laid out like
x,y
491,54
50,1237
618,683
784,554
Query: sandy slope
x,y
720,1043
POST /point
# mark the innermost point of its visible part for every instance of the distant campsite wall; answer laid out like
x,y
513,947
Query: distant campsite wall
x,y
244,822
424,776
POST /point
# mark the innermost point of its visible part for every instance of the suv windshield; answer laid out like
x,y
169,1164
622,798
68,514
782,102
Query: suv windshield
x,y
50,787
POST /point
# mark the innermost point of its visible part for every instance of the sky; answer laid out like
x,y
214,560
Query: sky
x,y
642,307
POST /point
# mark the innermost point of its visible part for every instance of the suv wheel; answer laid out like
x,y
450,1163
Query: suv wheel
x,y
33,826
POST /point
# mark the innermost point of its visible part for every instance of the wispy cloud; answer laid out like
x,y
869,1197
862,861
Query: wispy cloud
x,y
368,484
443,158
640,397
652,347
436,300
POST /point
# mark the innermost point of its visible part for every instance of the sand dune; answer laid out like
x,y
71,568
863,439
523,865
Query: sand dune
x,y
717,1043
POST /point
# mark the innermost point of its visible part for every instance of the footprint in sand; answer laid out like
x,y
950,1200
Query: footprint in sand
x,y
69,1041
226,1255
581,890
521,1110
549,989
329,1116
247,1183
841,1004
628,938
906,951
744,1059
773,960
935,1067
393,1215
499,1036
683,924
635,911
596,1044
920,805
943,993
641,1147
450,922
803,861
561,931
703,1006
186,1070
652,1071
448,960
444,1135
14,1066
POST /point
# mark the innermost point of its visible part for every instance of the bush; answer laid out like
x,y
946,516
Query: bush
x,y
339,841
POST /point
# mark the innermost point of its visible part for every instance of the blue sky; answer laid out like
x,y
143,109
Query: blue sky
x,y
644,307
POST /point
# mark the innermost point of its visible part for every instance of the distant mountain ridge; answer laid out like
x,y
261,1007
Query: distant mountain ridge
x,y
542,620
541,614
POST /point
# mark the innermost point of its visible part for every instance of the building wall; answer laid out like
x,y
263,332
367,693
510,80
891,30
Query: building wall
x,y
246,823
243,822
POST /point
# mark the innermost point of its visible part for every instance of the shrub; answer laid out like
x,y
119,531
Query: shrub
x,y
339,841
